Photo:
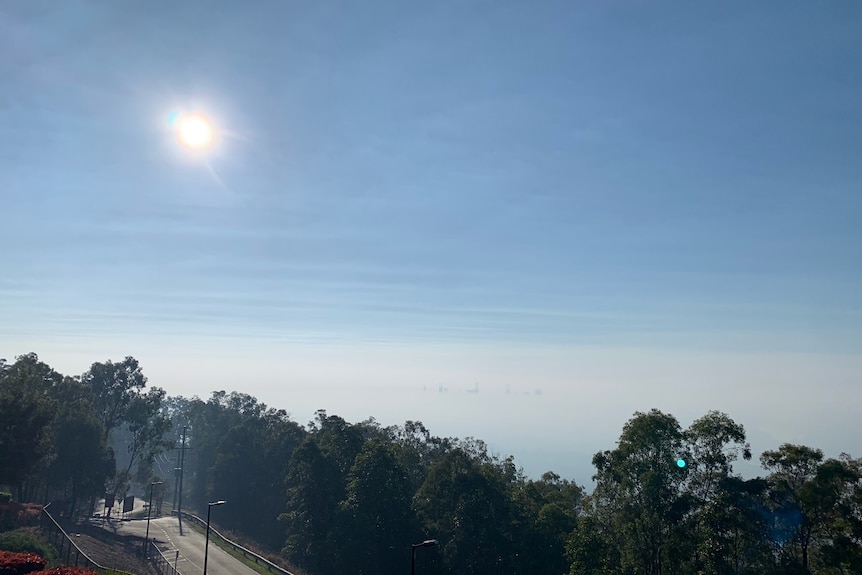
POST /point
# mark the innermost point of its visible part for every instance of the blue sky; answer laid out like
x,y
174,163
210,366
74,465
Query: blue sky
x,y
611,202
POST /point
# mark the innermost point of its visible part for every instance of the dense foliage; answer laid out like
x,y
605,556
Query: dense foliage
x,y
14,514
62,437
12,563
337,497
667,500
24,541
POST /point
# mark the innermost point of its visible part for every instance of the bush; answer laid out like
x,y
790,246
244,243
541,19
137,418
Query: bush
x,y
5,497
20,563
14,514
22,541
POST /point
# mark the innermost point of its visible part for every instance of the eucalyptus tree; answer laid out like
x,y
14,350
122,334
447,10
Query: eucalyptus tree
x,y
640,494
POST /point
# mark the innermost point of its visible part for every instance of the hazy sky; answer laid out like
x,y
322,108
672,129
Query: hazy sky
x,y
624,205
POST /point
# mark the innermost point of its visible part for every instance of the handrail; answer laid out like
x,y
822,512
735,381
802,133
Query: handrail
x,y
78,552
164,566
270,566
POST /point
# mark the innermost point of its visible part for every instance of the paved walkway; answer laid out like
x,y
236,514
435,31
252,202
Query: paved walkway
x,y
166,532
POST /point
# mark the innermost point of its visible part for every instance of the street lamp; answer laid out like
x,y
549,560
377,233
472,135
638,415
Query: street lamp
x,y
149,510
182,465
207,544
413,547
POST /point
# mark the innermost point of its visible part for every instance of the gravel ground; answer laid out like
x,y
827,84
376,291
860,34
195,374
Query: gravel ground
x,y
110,549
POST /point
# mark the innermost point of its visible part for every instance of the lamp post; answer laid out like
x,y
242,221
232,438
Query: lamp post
x,y
176,483
149,510
207,544
180,494
413,547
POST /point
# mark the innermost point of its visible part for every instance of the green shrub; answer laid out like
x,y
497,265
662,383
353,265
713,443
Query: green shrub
x,y
5,497
23,541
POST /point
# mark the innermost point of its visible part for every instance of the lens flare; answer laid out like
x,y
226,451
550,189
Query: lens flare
x,y
195,131
680,463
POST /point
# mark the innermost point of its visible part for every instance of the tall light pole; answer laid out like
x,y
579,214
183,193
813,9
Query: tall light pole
x,y
207,544
149,510
182,465
176,483
413,547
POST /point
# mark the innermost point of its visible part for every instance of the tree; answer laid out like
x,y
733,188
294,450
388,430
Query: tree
x,y
741,543
207,423
589,550
639,492
547,512
340,441
377,505
26,415
130,418
82,461
465,504
147,427
114,386
793,468
814,505
417,450
841,482
250,466
314,489
714,442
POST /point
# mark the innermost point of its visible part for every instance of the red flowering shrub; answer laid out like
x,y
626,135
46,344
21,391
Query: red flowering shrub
x,y
13,514
20,563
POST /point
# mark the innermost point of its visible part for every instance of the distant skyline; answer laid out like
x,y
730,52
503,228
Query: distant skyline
x,y
626,206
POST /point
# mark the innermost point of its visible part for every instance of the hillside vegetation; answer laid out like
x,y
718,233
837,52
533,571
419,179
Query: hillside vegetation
x,y
337,497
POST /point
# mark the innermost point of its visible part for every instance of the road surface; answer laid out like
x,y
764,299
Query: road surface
x,y
166,532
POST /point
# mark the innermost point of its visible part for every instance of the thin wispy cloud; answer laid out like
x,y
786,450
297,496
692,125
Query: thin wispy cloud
x,y
563,178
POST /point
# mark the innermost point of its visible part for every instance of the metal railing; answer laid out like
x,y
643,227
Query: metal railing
x,y
68,552
164,565
247,553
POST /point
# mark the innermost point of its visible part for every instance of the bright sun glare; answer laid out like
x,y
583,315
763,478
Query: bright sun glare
x,y
195,132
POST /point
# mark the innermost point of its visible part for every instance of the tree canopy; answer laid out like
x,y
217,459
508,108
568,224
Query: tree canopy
x,y
59,435
334,497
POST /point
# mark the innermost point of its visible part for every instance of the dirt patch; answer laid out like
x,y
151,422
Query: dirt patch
x,y
110,549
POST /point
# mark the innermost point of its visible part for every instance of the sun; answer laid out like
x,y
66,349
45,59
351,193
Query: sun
x,y
195,131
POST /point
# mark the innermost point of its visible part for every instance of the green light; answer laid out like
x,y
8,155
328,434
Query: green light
x,y
680,462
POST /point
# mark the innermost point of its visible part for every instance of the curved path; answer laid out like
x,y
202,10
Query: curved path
x,y
166,532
